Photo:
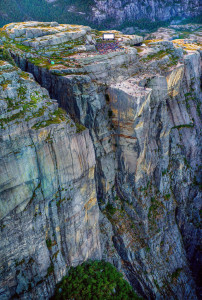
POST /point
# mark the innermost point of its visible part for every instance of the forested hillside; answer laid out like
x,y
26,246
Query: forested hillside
x,y
100,14
42,10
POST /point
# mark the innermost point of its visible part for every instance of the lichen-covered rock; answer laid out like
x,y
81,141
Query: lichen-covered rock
x,y
48,204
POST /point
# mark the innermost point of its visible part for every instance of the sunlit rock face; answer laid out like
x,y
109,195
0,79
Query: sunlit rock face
x,y
141,154
157,149
48,209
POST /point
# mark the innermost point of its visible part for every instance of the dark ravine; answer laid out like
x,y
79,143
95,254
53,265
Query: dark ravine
x,y
140,152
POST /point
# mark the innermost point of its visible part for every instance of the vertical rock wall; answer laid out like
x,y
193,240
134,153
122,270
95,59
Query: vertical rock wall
x,y
48,209
147,147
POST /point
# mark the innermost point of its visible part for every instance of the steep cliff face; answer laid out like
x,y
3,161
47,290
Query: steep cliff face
x,y
129,10
141,106
48,208
158,154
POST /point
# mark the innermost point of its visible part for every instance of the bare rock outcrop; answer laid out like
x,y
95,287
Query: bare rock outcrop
x,y
140,157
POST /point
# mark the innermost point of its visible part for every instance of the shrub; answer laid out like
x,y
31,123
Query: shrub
x,y
48,243
5,55
110,113
94,280
50,269
110,209
79,127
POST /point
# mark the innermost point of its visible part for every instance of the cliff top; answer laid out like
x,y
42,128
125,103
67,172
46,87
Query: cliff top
x,y
74,49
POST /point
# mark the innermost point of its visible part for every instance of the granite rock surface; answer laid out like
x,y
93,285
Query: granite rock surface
x,y
138,160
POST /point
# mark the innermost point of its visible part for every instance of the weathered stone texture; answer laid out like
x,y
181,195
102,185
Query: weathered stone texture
x,y
141,153
48,209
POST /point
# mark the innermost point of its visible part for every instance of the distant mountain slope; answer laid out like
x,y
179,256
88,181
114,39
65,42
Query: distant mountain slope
x,y
44,10
105,13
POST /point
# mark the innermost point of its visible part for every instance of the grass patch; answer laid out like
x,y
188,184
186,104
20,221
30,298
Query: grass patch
x,y
79,127
23,47
183,126
157,56
57,117
24,75
21,92
5,84
5,55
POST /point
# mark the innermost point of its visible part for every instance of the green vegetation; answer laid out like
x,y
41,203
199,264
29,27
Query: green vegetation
x,y
151,26
40,62
159,55
24,75
5,84
60,201
198,109
57,117
167,196
21,92
147,249
48,243
50,269
23,47
5,55
110,209
79,127
183,126
195,19
164,172
94,280
41,10
18,115
156,56
45,11
154,209
176,274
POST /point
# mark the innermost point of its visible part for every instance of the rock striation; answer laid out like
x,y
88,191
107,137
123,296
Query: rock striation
x,y
130,10
48,209
129,144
